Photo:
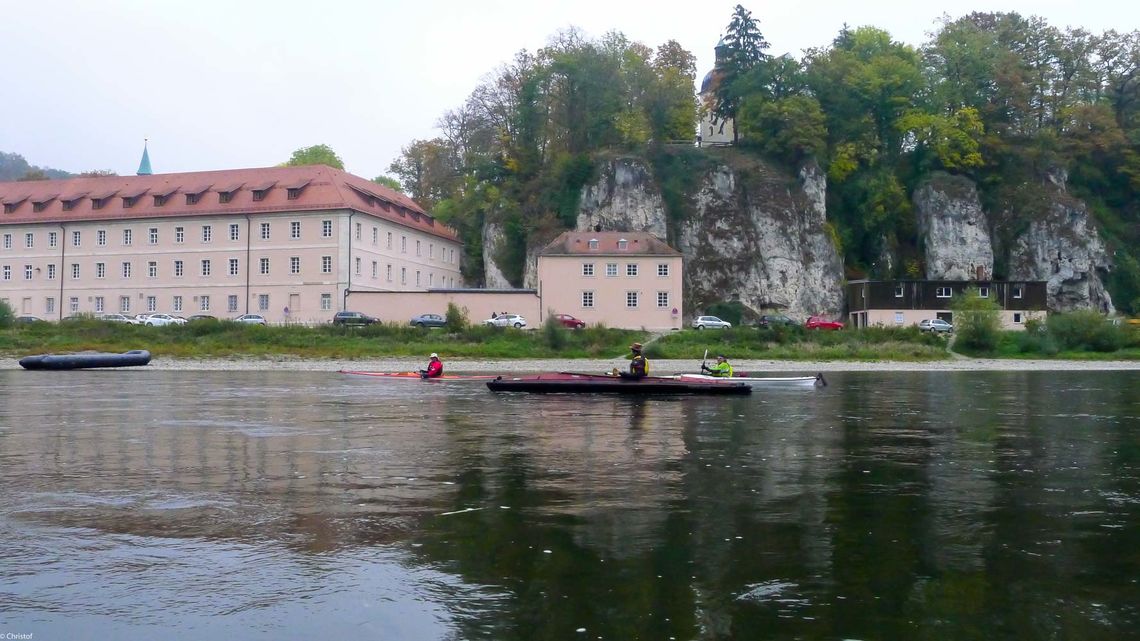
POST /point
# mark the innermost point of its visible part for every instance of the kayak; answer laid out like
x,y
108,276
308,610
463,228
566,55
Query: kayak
x,y
416,375
85,360
571,382
805,381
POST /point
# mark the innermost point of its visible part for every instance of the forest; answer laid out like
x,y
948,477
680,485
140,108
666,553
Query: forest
x,y
1000,98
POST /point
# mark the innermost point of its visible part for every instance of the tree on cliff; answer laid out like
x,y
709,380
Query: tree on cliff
x,y
744,47
315,155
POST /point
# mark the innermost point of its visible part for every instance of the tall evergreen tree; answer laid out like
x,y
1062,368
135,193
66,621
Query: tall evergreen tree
x,y
744,49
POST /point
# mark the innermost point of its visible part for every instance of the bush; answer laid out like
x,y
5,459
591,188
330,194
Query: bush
x,y
1085,330
553,333
732,311
6,314
456,318
977,321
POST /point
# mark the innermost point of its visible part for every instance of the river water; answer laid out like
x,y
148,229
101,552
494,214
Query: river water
x,y
140,504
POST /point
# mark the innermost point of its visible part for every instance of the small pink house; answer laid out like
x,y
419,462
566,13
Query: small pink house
x,y
620,279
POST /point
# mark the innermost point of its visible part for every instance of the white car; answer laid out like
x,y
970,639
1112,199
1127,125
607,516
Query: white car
x,y
506,320
251,319
159,320
936,326
710,322
119,318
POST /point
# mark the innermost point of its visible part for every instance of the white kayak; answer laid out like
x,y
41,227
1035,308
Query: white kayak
x,y
806,381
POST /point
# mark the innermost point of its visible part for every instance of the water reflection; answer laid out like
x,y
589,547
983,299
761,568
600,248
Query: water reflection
x,y
261,505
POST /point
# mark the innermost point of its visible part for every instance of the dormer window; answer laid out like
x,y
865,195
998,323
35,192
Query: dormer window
x,y
97,203
623,244
225,196
39,206
159,201
592,243
294,193
10,207
129,202
259,194
192,199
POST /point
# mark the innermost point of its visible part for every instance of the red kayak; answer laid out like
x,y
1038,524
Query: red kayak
x,y
570,382
402,375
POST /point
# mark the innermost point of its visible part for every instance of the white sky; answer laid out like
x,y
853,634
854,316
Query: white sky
x,y
222,84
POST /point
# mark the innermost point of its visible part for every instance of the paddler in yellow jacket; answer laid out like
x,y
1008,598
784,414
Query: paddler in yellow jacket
x,y
720,369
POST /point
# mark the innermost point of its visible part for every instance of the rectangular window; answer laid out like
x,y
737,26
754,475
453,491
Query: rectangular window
x,y
375,236
100,270
49,305
177,305
263,302
51,271
75,270
418,248
263,265
592,243
611,269
898,291
204,303
99,305
151,304
431,280
232,303
159,201
1017,291
29,240
259,194
76,239
124,304
326,302
192,199
234,266
389,240
623,244
1017,317
27,272
225,196
983,292
662,299
178,268
152,235
179,235
898,318
235,231
403,275
389,272
294,264
326,264
293,193
126,270
357,264
631,299
943,292
207,233
662,269
8,241
417,278
128,237
73,304
101,237
7,273
587,269
295,230
326,229
375,269
403,244
53,238
264,227
631,269
588,299
359,227
206,267
152,269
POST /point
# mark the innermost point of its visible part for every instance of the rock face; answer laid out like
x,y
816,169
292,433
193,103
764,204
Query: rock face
x,y
758,238
956,230
493,276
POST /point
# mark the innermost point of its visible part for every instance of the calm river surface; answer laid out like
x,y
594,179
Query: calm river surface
x,y
145,504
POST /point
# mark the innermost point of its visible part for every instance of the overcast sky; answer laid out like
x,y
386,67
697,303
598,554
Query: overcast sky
x,y
222,84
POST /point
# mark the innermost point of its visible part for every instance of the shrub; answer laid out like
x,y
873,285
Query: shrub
x,y
731,311
977,321
553,333
456,318
1085,330
6,314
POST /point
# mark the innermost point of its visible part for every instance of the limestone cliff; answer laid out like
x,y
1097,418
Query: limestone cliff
x,y
954,229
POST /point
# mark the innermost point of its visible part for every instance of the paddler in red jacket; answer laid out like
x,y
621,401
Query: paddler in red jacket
x,y
434,368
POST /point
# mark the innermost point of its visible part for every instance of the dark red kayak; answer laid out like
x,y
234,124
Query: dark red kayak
x,y
416,375
572,383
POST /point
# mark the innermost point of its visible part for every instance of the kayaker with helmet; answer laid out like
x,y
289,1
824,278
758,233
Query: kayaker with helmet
x,y
722,368
434,368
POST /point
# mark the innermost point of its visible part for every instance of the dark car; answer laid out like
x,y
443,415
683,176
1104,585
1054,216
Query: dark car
x,y
200,317
429,320
353,318
569,321
772,320
28,319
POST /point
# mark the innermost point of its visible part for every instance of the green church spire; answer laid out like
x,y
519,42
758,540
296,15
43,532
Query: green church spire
x,y
144,166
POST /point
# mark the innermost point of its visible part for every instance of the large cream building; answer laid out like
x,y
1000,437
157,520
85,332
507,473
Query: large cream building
x,y
284,242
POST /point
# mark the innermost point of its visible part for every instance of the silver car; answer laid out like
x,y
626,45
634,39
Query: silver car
x,y
936,326
159,320
506,320
710,322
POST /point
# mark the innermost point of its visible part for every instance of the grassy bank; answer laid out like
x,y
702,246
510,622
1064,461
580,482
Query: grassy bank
x,y
795,343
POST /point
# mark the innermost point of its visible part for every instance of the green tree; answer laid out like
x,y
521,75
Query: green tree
x,y
977,321
427,171
743,50
6,314
389,182
315,155
791,129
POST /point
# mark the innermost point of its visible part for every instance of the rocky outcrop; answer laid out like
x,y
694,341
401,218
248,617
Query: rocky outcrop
x,y
955,230
492,275
624,197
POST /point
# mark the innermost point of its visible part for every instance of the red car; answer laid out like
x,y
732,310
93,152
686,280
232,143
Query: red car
x,y
569,321
819,322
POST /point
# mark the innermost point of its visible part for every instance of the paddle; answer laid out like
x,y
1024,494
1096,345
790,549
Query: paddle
x,y
704,358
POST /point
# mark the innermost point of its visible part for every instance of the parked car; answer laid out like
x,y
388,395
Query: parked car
x,y
569,321
935,326
119,318
819,322
140,319
160,320
506,320
428,320
772,320
28,319
252,319
710,322
353,318
200,317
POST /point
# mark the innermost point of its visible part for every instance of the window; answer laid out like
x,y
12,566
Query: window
x,y
662,299
101,237
326,229
389,240
207,233
76,239
431,280
204,303
97,203
178,268
1017,291
592,243
264,227
263,302
27,272
403,244
431,250
326,302
357,265
623,244
51,271
587,269
898,318
159,201
587,299
177,304
375,269
7,273
152,269
631,299
295,229
151,304
68,205
53,238
8,241
1017,317
403,275
152,235
326,264
662,269
225,196
294,264
179,234
417,278
100,270
234,266
983,292
206,267
49,305
389,272
75,270
943,292
263,266
418,248
232,303
259,194
73,304
375,236
29,240
99,305
293,193
898,291
129,202
358,231
128,236
192,199
235,231
631,269
124,304
127,270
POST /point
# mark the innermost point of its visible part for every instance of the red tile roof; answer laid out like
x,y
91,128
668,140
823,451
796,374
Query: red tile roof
x,y
320,188
637,243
